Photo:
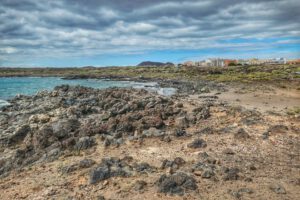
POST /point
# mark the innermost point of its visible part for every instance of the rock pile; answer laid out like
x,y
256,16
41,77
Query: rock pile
x,y
43,126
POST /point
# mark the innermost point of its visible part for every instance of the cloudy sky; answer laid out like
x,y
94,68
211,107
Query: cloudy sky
x,y
126,32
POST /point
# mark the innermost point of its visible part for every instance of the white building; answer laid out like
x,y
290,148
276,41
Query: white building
x,y
279,61
215,62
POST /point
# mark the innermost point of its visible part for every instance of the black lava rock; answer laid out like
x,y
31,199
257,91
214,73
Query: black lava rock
x,y
231,174
84,143
197,143
177,183
180,132
241,134
19,134
99,174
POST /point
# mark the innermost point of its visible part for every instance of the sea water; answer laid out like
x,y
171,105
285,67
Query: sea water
x,y
10,87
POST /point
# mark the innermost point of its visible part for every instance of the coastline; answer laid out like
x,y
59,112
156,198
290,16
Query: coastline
x,y
276,75
121,143
32,85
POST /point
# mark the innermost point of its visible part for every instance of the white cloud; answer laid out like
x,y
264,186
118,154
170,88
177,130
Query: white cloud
x,y
77,28
8,50
107,13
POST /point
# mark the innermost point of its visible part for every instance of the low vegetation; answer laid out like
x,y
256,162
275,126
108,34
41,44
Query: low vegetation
x,y
294,111
230,74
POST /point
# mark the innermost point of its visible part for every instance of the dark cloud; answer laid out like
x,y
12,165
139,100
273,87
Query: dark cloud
x,y
93,27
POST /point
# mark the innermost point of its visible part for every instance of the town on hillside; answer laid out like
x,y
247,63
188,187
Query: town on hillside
x,y
220,62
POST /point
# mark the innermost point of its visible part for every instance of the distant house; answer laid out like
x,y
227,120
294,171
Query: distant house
x,y
293,62
208,62
216,62
228,62
243,62
211,62
276,61
201,63
220,62
254,61
189,63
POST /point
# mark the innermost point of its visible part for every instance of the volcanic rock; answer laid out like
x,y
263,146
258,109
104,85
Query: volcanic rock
x,y
177,183
197,143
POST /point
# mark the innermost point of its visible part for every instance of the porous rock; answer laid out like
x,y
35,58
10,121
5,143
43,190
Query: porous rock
x,y
177,183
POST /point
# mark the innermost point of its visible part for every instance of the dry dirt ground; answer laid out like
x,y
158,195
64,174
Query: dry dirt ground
x,y
271,99
262,97
268,160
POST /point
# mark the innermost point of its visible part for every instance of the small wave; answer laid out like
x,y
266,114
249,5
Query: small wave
x,y
162,91
166,91
3,103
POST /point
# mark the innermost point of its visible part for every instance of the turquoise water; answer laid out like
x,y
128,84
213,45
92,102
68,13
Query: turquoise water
x,y
10,87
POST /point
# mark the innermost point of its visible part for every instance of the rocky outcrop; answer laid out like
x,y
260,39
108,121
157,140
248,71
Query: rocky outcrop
x,y
69,118
75,139
116,167
110,167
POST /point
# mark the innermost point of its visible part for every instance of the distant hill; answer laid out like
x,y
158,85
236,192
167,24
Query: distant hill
x,y
157,64
89,67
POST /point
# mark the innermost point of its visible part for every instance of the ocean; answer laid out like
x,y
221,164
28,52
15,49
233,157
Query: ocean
x,y
10,87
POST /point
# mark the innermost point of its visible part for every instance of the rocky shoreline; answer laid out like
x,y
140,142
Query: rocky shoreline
x,y
182,86
78,142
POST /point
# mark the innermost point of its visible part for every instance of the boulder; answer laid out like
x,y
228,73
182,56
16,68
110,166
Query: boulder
x,y
208,173
179,161
278,129
180,132
63,128
197,143
228,151
143,167
52,155
265,135
206,130
231,174
241,134
153,132
277,188
100,174
153,121
177,183
84,143
19,134
139,185
202,112
110,167
39,118
86,163
239,193
69,168
44,137
182,122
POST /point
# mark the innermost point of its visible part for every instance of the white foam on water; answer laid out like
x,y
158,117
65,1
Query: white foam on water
x,y
3,103
166,91
162,91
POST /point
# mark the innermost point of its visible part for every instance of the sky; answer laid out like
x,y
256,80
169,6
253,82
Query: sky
x,y
74,33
